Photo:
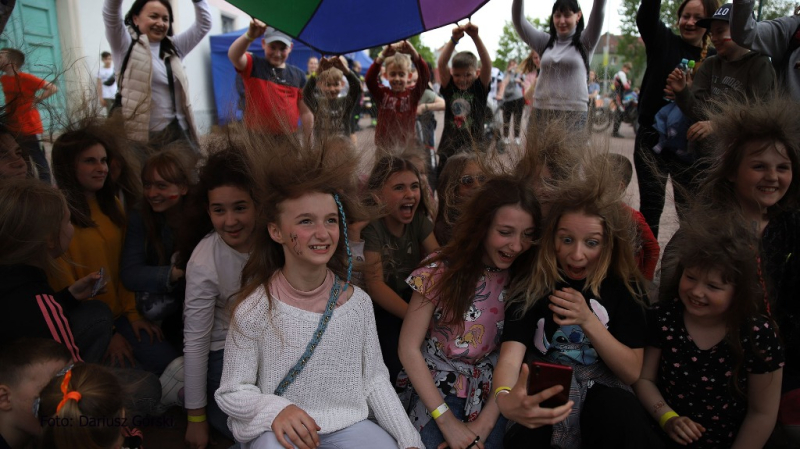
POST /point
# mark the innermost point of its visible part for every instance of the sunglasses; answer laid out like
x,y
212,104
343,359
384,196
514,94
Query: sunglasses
x,y
468,180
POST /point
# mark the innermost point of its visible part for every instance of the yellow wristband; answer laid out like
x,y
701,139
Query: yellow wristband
x,y
196,418
439,410
666,417
499,390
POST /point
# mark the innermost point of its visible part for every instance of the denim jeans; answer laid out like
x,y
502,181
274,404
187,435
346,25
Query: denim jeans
x,y
432,437
33,148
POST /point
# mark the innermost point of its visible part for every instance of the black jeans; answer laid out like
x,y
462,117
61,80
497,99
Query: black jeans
x,y
31,147
514,107
652,171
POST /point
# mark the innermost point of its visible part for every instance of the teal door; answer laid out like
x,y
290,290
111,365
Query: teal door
x,y
33,29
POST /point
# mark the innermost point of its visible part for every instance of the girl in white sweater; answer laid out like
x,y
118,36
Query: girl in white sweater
x,y
296,299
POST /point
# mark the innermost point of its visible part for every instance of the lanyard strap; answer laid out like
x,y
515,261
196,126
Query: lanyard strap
x,y
315,339
171,82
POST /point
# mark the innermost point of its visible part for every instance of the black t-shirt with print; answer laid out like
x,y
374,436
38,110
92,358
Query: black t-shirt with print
x,y
464,116
696,382
616,308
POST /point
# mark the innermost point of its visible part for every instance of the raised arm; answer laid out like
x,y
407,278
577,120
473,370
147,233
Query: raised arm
x,y
770,37
591,35
443,65
536,39
648,20
187,40
119,39
486,61
238,49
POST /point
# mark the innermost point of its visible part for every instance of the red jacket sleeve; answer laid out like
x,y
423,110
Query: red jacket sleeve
x,y
374,83
647,257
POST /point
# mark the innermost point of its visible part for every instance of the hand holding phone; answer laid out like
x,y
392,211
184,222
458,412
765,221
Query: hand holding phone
x,y
100,283
545,375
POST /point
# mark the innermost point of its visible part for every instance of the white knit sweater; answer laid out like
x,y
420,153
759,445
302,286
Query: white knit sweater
x,y
344,379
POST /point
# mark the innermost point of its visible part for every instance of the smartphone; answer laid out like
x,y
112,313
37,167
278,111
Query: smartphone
x,y
100,283
545,375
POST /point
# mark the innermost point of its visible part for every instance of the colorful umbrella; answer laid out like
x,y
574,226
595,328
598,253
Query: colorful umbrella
x,y
343,26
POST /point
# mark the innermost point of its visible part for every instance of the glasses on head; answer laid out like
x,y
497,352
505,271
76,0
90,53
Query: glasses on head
x,y
468,180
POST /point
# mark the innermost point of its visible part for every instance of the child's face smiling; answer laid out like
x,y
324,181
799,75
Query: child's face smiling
x,y
233,215
332,88
464,77
92,168
276,53
398,76
400,196
579,244
510,234
763,176
160,193
704,294
308,229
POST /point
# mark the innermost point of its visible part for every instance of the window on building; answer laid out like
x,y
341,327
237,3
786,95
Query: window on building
x,y
228,24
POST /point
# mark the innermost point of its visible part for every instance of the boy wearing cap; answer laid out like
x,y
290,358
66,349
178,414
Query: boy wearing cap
x,y
274,89
733,73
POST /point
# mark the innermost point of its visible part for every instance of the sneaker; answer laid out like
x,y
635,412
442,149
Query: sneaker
x,y
172,383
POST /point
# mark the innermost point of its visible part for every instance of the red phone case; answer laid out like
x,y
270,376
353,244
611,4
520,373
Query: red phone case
x,y
545,375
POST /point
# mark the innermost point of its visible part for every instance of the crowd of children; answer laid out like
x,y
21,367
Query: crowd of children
x,y
286,300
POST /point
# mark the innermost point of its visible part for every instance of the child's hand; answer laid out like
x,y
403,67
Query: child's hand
x,y
324,64
82,288
570,307
458,33
676,81
340,63
388,50
118,351
683,430
294,422
257,29
471,29
407,48
699,131
517,406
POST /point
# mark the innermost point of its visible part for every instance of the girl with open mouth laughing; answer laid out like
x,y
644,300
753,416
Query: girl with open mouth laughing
x,y
581,306
394,245
457,312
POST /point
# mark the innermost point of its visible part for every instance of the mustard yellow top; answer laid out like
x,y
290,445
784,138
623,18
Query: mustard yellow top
x,y
91,249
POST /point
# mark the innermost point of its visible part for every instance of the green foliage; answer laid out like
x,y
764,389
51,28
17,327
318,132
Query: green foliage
x,y
511,46
772,9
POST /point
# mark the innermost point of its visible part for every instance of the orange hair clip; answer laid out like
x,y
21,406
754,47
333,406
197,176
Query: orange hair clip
x,y
67,395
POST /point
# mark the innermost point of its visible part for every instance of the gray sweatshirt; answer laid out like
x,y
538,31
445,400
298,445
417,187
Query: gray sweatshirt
x,y
770,37
561,85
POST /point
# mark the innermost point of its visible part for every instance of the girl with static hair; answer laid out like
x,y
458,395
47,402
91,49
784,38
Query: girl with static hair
x,y
713,366
581,306
221,218
461,177
302,362
394,245
452,328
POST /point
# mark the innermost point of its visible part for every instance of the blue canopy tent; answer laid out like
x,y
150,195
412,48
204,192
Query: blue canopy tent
x,y
224,75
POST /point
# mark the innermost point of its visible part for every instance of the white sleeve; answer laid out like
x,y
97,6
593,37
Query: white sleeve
x,y
116,32
198,317
250,411
381,397
187,40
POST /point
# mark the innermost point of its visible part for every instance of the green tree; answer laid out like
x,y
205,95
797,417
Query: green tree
x,y
511,46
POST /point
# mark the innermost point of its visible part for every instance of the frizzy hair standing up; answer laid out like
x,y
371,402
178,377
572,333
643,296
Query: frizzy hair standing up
x,y
388,165
463,255
594,192
720,241
769,123
88,398
283,169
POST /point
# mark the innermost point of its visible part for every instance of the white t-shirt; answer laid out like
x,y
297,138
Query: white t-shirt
x,y
103,74
497,78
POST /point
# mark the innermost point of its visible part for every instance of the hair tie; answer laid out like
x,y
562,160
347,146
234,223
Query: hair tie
x,y
67,395
346,242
